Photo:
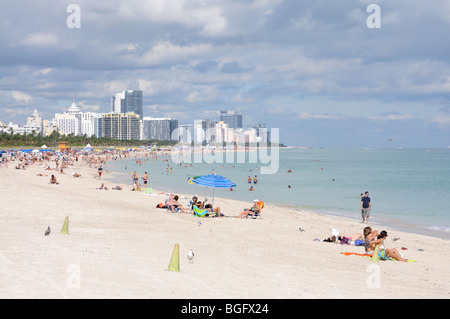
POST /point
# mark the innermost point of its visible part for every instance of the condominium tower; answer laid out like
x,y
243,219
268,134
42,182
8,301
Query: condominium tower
x,y
128,101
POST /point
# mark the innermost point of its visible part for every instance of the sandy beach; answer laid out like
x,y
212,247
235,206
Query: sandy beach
x,y
119,246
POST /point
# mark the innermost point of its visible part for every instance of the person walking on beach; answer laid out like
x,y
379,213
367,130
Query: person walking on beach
x,y
366,207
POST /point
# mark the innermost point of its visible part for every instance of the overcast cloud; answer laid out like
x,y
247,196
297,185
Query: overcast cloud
x,y
311,68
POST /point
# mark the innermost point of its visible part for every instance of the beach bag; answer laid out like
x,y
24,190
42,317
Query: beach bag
x,y
345,240
359,242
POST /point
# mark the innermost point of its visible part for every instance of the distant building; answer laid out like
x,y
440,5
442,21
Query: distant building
x,y
186,133
204,131
75,122
160,129
262,133
97,123
67,124
221,132
233,119
129,101
120,126
35,123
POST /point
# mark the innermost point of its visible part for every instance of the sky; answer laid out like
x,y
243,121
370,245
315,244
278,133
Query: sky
x,y
317,70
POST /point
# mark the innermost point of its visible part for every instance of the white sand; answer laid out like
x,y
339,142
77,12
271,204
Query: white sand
x,y
120,246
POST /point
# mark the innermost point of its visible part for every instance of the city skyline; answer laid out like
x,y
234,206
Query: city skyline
x,y
353,73
124,124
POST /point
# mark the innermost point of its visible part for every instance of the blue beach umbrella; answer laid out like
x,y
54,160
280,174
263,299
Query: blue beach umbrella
x,y
214,181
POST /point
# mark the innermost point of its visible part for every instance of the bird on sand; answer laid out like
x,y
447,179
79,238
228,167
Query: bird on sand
x,y
47,232
190,256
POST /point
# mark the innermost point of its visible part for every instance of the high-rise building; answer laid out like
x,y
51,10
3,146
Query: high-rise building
x,y
75,122
67,124
120,126
160,129
262,133
35,123
233,119
186,133
204,131
128,101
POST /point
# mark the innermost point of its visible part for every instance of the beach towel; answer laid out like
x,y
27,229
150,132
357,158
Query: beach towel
x,y
370,256
348,253
199,212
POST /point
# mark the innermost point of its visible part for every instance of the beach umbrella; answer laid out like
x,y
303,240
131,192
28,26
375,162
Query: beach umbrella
x,y
214,181
191,179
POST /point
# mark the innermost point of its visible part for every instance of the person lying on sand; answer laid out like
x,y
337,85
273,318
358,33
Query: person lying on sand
x,y
345,239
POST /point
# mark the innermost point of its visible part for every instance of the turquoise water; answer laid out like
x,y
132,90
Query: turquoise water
x,y
408,187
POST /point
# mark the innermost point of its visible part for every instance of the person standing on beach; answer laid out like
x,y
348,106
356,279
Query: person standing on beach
x,y
135,177
145,178
366,207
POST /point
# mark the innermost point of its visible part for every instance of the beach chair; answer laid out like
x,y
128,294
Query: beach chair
x,y
200,212
255,214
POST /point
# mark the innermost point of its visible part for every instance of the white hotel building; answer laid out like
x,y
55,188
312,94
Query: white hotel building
x,y
75,122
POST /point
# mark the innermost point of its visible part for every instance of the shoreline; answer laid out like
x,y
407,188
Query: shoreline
x,y
119,246
392,223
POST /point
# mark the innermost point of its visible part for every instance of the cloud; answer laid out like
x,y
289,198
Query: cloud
x,y
232,67
308,116
309,61
443,121
40,39
163,52
20,96
391,117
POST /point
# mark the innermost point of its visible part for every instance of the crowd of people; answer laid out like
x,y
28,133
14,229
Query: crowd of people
x,y
372,240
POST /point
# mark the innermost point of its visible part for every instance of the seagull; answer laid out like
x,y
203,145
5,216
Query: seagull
x,y
301,229
190,256
199,223
47,232
395,238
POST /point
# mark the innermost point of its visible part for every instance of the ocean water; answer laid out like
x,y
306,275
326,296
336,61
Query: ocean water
x,y
408,187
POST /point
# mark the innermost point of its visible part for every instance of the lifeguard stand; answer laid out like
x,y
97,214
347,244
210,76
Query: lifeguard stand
x,y
64,146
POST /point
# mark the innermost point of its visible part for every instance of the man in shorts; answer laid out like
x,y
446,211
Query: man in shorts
x,y
366,207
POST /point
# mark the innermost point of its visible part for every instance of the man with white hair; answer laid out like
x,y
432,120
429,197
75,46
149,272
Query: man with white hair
x,y
256,208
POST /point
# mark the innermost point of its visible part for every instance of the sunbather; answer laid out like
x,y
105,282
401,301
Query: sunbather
x,y
53,180
214,210
369,236
174,205
383,252
252,210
